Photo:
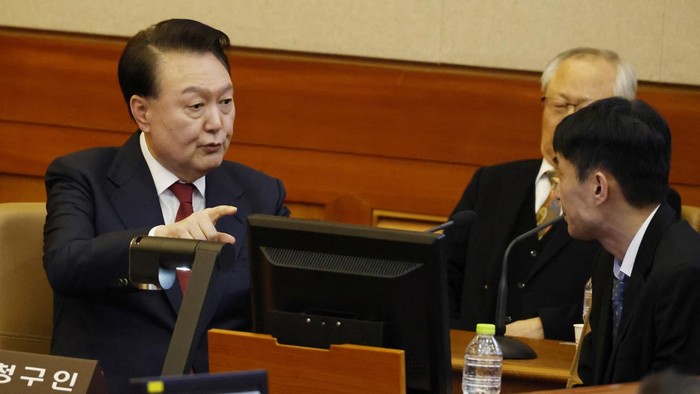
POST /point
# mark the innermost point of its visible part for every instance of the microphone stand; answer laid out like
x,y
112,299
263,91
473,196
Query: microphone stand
x,y
459,219
510,347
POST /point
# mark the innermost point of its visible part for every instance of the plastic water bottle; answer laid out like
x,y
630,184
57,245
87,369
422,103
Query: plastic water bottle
x,y
587,298
482,363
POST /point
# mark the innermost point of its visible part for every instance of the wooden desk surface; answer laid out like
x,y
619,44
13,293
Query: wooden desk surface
x,y
550,370
620,388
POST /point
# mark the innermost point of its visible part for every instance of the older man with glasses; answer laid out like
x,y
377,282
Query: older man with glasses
x,y
547,273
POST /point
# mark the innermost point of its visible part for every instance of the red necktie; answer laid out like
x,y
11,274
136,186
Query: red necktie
x,y
183,192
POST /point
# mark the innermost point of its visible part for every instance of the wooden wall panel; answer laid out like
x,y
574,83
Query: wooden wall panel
x,y
681,109
28,148
415,112
352,139
21,188
61,80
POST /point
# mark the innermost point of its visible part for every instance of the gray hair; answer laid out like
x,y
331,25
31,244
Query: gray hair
x,y
625,79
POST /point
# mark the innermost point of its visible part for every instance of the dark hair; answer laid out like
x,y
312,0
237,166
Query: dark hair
x,y
137,65
627,138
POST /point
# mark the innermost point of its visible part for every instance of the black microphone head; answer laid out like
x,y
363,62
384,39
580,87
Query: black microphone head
x,y
463,218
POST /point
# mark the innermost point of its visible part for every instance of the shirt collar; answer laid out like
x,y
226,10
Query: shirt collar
x,y
161,176
627,264
544,167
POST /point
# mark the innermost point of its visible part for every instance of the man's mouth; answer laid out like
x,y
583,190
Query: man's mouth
x,y
212,148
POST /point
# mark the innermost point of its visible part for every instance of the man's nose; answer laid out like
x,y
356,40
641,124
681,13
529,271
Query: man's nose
x,y
213,121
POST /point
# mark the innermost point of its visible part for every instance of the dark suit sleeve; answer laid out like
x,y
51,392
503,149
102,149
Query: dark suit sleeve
x,y
455,247
281,209
677,315
557,322
586,360
77,260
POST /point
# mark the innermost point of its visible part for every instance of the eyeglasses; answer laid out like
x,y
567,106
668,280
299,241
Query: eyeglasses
x,y
560,106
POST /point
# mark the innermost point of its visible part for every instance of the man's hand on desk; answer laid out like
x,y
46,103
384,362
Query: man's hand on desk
x,y
528,328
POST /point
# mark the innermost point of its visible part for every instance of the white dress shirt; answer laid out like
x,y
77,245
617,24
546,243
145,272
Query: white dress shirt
x,y
624,268
163,179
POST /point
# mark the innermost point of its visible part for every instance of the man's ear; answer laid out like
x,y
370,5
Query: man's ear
x,y
600,185
140,111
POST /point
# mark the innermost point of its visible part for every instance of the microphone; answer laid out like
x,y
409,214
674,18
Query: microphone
x,y
459,219
511,347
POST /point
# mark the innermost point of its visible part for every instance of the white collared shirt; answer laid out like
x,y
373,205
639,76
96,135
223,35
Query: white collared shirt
x,y
542,184
627,265
163,179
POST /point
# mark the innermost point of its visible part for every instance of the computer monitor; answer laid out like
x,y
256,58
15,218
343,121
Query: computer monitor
x,y
242,382
319,283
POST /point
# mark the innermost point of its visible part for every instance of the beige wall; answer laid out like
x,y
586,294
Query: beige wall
x,y
660,37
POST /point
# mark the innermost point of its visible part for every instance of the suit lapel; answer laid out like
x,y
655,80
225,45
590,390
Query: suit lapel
x,y
134,195
602,297
643,263
558,238
515,189
135,198
223,190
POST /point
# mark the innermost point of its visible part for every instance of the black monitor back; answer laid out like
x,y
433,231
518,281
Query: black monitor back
x,y
320,283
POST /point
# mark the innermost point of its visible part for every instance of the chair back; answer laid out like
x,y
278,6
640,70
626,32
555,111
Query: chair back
x,y
26,310
692,215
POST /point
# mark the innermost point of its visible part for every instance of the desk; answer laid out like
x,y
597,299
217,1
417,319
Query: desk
x,y
619,388
549,370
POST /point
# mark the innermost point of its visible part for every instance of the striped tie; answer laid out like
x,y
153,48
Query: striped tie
x,y
551,207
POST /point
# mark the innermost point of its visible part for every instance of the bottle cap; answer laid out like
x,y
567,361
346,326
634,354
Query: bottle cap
x,y
485,329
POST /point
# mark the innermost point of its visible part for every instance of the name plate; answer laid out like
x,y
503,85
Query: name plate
x,y
34,373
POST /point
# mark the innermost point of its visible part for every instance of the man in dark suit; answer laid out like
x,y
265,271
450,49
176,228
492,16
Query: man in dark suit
x,y
175,78
613,159
546,277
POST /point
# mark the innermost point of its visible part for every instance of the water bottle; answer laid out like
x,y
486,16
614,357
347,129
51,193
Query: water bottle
x,y
587,298
482,363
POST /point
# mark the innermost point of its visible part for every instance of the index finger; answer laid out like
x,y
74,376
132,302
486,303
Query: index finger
x,y
219,211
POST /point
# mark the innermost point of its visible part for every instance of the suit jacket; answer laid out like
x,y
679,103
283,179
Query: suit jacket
x,y
660,324
546,278
97,201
